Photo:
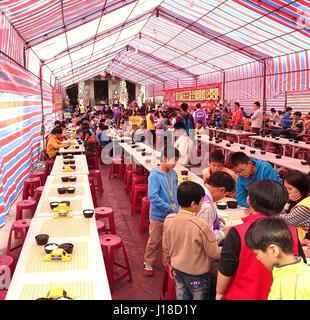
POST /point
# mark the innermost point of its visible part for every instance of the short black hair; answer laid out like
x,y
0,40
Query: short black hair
x,y
198,105
237,104
217,156
184,106
298,180
222,179
199,121
56,130
169,152
297,113
288,109
266,231
57,123
179,125
273,110
188,192
268,197
239,158
257,103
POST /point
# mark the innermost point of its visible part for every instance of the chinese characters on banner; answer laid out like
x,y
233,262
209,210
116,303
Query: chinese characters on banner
x,y
207,95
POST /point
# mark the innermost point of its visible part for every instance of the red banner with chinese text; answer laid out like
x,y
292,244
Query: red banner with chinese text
x,y
208,95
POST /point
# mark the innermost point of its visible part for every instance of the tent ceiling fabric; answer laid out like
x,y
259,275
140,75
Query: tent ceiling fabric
x,y
153,41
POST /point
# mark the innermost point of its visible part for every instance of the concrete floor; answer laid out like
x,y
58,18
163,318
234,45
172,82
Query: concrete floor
x,y
114,196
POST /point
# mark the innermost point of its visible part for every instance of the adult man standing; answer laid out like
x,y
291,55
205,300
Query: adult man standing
x,y
257,118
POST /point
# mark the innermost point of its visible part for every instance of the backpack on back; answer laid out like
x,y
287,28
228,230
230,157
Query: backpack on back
x,y
200,115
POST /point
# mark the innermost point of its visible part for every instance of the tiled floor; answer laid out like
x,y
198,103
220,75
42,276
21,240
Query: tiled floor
x,y
114,196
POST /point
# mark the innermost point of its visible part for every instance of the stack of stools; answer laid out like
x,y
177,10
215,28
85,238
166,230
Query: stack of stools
x,y
144,216
96,175
109,245
19,230
30,185
93,189
139,190
168,285
106,213
30,205
116,168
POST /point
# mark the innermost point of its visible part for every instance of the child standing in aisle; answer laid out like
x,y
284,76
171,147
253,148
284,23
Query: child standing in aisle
x,y
162,193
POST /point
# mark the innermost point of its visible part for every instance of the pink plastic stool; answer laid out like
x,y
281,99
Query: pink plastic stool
x,y
116,169
139,191
98,181
106,213
168,285
29,186
93,190
39,174
109,245
101,227
7,261
20,229
30,205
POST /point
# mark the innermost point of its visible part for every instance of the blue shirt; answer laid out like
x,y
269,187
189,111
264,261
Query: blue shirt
x,y
264,170
286,121
160,184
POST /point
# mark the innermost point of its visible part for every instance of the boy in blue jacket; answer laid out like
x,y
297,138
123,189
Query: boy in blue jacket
x,y
162,193
249,171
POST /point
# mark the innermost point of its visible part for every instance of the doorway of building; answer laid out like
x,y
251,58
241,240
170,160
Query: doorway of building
x,y
101,90
72,93
131,89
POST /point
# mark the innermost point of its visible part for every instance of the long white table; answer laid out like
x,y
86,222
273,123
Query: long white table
x,y
237,133
286,162
284,142
232,216
84,277
80,163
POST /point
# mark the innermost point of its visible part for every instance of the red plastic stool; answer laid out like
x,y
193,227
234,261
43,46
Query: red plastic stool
x,y
93,163
106,212
144,216
128,167
30,205
97,177
131,173
101,227
168,285
137,180
109,245
7,261
139,191
29,186
48,167
20,229
115,169
39,174
93,190
37,193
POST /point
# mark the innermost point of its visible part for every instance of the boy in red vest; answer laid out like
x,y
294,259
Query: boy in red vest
x,y
241,276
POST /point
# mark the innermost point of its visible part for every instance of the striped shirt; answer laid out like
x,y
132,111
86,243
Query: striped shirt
x,y
298,217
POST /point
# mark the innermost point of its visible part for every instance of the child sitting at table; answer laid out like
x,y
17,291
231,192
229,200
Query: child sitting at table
x,y
241,276
272,242
216,164
188,245
219,185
